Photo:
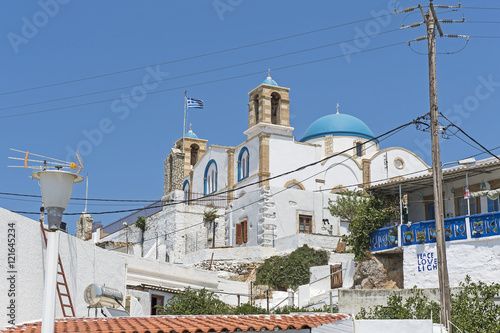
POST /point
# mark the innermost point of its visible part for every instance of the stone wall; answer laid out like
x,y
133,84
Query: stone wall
x,y
174,171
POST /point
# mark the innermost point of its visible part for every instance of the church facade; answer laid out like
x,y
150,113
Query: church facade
x,y
270,198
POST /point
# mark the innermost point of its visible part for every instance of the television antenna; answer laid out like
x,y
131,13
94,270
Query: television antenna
x,y
48,163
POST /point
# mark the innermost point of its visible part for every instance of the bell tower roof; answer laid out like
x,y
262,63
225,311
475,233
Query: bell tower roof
x,y
269,81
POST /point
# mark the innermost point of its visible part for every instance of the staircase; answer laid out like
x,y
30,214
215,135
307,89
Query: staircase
x,y
62,284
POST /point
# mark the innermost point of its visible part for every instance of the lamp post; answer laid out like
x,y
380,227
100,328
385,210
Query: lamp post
x,y
56,186
466,162
125,224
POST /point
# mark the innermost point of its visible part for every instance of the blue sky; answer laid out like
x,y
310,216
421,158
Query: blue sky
x,y
124,143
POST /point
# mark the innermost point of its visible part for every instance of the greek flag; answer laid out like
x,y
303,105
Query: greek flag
x,y
194,103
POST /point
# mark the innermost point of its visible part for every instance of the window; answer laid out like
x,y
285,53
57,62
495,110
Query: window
x,y
474,206
242,232
194,153
186,188
256,108
492,205
305,224
359,149
210,178
243,164
275,107
156,300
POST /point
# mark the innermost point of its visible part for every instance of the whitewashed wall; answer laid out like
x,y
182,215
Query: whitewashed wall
x,y
218,154
480,259
413,166
78,261
253,150
177,230
273,206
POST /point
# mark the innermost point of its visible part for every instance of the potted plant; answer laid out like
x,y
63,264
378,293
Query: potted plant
x,y
408,235
393,234
421,236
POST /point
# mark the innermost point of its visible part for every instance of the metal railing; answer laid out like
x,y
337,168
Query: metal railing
x,y
456,228
200,199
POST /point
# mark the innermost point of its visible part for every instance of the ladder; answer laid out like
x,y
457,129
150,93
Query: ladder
x,y
62,286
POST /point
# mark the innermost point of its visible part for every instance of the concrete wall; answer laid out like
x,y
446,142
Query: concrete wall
x,y
352,300
78,261
246,253
393,325
411,165
480,259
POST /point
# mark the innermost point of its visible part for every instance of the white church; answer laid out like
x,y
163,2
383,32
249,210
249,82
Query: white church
x,y
260,204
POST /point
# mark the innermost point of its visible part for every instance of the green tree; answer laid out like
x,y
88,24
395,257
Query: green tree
x,y
140,223
472,308
365,214
191,302
209,217
290,271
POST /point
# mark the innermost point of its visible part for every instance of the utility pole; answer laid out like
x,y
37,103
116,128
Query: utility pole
x,y
432,22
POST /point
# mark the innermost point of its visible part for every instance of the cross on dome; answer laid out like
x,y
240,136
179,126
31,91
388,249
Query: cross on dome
x,y
338,108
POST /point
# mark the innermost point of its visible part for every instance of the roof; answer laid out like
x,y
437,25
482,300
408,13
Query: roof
x,y
337,124
190,134
184,324
411,184
270,81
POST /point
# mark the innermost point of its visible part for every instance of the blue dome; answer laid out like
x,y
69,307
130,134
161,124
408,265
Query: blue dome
x,y
190,134
269,81
338,125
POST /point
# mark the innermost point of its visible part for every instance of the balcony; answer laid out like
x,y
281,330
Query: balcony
x,y
457,228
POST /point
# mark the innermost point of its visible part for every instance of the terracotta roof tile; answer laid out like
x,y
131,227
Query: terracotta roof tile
x,y
184,324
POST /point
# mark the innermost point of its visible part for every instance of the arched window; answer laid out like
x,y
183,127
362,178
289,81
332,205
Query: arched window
x,y
194,153
187,193
295,184
243,164
210,178
256,108
275,107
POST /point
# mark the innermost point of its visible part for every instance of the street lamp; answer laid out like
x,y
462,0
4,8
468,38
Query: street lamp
x,y
56,186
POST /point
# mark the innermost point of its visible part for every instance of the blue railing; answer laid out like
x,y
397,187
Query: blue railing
x,y
482,225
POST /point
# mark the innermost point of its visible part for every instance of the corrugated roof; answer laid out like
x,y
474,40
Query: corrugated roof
x,y
449,174
185,324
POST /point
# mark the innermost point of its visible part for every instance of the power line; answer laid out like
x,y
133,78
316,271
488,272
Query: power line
x,y
198,73
209,82
201,55
470,138
250,184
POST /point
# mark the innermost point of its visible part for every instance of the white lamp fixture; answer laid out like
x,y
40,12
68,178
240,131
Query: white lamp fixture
x,y
56,187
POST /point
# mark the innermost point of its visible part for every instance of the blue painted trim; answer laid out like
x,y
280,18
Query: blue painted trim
x,y
240,155
320,135
212,161
186,182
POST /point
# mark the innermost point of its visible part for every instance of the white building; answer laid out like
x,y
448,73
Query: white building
x,y
271,197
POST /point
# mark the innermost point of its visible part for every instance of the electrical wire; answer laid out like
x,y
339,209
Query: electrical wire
x,y
198,73
201,55
250,184
208,82
470,138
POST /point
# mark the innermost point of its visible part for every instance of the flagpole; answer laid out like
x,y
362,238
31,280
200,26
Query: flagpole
x,y
184,126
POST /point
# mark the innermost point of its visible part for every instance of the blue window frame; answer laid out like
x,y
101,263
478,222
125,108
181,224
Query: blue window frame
x,y
492,205
243,163
210,178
